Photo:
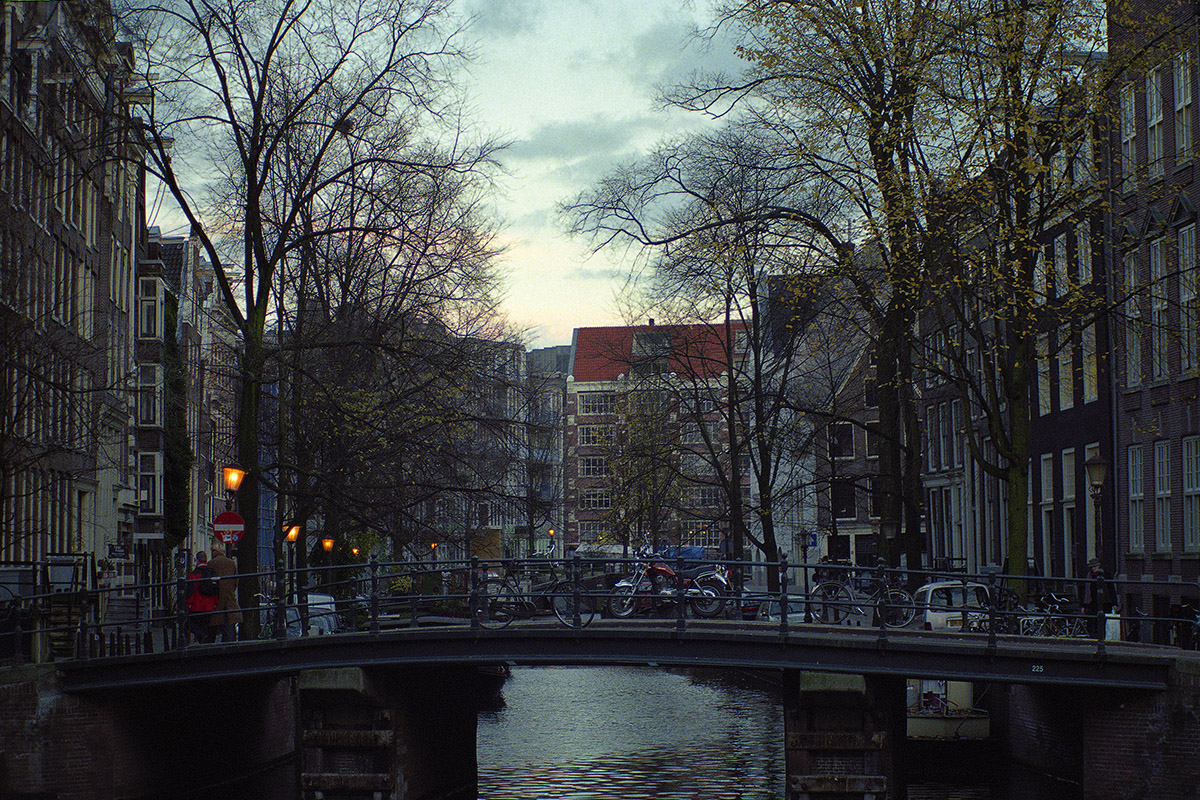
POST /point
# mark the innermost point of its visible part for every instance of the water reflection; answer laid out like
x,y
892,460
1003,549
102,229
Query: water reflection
x,y
629,733
640,733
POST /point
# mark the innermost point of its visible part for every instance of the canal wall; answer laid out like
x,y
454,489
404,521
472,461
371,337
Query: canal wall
x,y
1114,744
401,734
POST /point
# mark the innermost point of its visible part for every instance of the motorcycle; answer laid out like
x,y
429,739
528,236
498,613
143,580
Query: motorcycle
x,y
655,584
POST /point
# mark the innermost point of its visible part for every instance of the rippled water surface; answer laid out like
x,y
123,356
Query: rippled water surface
x,y
629,733
644,734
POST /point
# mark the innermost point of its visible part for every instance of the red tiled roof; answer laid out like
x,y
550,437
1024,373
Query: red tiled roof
x,y
603,354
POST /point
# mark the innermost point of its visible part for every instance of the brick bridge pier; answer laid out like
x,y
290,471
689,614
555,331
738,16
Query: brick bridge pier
x,y
408,733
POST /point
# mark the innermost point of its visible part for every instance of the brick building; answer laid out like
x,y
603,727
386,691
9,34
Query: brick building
x,y
70,236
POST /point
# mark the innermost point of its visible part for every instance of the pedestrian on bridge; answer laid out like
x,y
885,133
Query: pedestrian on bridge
x,y
1098,595
201,599
226,616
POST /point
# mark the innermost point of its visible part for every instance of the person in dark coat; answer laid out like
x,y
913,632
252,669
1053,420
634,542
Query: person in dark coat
x,y
227,615
1099,596
198,604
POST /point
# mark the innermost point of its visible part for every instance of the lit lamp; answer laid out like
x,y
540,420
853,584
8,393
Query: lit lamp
x,y
1097,472
327,544
232,475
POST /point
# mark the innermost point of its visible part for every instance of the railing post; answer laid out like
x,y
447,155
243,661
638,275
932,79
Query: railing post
x,y
680,609
473,601
577,588
881,605
783,594
180,615
993,616
373,609
1101,624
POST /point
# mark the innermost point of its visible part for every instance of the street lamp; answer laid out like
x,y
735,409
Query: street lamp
x,y
291,534
1097,472
232,475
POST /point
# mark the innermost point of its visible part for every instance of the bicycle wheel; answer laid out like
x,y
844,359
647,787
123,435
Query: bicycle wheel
x,y
898,608
497,603
562,600
831,603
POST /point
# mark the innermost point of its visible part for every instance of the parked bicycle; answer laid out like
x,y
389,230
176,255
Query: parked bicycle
x,y
1054,615
857,596
502,599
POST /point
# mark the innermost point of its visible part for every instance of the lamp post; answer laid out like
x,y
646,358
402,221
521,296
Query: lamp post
x,y
1097,472
232,475
291,535
327,546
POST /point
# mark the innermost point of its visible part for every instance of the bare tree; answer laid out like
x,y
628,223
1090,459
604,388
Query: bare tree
x,y
237,85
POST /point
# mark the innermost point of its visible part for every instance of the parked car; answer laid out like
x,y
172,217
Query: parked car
x,y
322,616
941,605
768,609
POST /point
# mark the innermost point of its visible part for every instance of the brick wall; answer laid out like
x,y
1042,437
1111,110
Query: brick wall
x,y
1144,744
50,743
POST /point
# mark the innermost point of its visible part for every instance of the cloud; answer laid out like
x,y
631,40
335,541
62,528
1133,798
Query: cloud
x,y
574,139
503,18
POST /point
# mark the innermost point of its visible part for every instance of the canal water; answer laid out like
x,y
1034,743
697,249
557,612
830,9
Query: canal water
x,y
642,733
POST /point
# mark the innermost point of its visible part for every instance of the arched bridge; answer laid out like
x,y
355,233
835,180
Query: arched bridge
x,y
721,643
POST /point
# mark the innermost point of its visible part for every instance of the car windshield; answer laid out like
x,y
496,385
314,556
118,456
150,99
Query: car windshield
x,y
951,597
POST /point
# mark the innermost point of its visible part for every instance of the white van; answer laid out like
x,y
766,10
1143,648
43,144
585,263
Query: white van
x,y
941,605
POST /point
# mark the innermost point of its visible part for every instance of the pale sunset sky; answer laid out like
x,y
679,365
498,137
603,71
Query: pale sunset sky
x,y
572,84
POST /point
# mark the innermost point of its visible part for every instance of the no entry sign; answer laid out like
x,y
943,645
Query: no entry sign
x,y
228,527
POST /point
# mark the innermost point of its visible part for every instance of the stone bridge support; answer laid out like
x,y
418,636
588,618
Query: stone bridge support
x,y
845,736
402,734
1116,744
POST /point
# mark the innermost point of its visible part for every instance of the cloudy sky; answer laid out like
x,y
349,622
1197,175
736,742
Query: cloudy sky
x,y
572,85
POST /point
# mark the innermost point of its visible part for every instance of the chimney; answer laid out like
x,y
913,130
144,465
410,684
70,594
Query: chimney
x,y
652,322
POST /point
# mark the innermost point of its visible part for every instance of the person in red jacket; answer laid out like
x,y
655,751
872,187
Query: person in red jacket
x,y
201,599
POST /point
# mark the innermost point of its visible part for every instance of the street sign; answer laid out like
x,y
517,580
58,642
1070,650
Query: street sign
x,y
228,527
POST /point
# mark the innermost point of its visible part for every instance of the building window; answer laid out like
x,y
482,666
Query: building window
x,y
595,500
1191,493
593,531
593,467
1183,105
694,464
932,438
698,433
1189,310
842,495
1137,495
590,435
652,343
841,440
1162,496
873,440
1061,285
700,533
1154,123
1091,367
148,482
1133,325
1159,332
1043,373
697,405
149,392
1128,137
595,403
1040,280
1066,370
1083,253
702,496
148,310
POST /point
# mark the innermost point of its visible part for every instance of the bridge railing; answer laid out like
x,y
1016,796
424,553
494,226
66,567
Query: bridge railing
x,y
377,596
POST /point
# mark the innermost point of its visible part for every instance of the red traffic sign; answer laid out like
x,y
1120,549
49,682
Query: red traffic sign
x,y
229,526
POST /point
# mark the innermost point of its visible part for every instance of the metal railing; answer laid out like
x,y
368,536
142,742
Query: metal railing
x,y
379,596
